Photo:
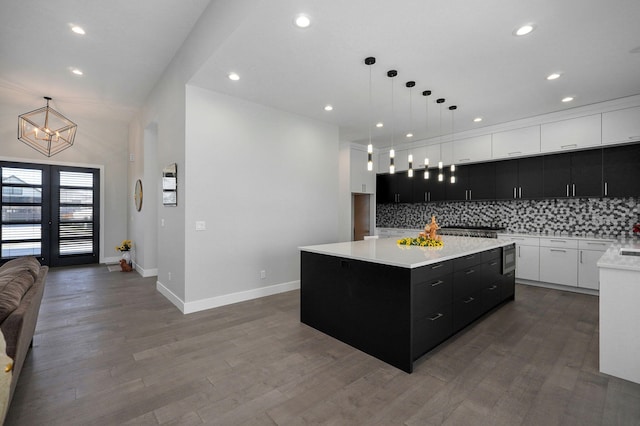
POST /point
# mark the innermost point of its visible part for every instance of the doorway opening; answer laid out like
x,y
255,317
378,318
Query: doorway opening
x,y
361,219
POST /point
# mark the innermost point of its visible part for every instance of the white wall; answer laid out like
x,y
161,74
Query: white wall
x,y
98,144
265,182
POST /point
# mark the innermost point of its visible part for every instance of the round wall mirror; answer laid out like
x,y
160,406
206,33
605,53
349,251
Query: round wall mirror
x,y
137,196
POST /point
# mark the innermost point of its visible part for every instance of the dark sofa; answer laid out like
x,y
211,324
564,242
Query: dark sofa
x,y
21,288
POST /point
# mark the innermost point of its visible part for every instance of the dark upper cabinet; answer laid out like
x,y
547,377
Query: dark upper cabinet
x,y
473,182
621,171
574,174
521,178
394,188
427,190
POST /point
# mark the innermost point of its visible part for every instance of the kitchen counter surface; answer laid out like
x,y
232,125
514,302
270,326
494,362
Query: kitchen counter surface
x,y
386,251
612,258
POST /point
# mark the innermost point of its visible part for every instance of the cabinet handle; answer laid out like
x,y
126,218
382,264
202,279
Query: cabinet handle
x,y
558,241
470,257
573,145
574,189
561,251
519,251
493,287
469,300
520,192
567,190
464,159
436,266
437,283
580,256
469,272
606,189
469,194
514,192
597,244
425,197
493,264
515,152
438,316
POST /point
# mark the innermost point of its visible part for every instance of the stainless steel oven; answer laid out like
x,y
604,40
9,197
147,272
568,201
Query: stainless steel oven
x,y
508,259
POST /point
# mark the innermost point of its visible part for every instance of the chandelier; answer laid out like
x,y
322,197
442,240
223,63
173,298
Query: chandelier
x,y
46,130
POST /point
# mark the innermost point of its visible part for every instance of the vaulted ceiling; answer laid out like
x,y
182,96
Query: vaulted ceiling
x,y
463,51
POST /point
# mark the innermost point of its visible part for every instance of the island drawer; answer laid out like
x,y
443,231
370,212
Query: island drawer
x,y
467,281
491,254
492,270
428,295
432,330
465,262
466,310
430,272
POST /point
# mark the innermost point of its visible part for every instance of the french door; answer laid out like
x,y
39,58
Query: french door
x,y
51,212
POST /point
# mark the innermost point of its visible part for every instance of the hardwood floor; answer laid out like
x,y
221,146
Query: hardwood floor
x,y
111,350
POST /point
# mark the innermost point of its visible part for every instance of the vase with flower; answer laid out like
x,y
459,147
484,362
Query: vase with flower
x,y
125,249
636,229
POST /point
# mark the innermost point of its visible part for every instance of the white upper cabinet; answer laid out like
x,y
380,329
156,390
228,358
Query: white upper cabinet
x,y
516,143
446,153
401,160
574,133
472,150
621,126
434,154
419,154
362,180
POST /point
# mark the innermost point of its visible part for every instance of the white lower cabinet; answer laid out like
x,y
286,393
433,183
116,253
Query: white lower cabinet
x,y
559,266
589,254
564,261
527,258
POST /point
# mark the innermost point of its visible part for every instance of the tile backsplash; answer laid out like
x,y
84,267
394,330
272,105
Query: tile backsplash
x,y
589,216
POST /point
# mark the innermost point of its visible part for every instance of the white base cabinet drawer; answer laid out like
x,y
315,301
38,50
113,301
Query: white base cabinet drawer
x,y
559,266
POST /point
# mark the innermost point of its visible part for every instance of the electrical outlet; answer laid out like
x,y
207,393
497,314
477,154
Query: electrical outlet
x,y
263,274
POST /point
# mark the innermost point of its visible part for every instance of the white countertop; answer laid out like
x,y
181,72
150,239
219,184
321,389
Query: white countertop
x,y
612,258
386,250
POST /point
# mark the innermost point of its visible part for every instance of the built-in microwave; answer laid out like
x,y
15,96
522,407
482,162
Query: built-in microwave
x,y
508,259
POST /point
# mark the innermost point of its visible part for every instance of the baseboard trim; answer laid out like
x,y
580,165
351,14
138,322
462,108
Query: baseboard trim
x,y
581,290
153,272
226,299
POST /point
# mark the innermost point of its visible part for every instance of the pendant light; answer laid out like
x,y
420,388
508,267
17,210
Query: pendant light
x,y
370,61
452,108
410,85
392,153
426,95
440,101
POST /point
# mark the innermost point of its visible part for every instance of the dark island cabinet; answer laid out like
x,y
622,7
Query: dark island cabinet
x,y
519,179
621,171
399,314
574,174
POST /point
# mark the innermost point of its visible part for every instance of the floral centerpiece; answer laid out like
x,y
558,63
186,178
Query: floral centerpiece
x,y
124,246
428,238
636,229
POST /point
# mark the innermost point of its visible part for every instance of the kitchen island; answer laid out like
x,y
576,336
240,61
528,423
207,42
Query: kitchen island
x,y
396,302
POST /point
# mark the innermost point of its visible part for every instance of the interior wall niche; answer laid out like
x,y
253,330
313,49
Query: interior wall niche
x,y
170,185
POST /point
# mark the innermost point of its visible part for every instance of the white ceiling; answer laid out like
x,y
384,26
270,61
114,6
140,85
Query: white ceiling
x,y
463,51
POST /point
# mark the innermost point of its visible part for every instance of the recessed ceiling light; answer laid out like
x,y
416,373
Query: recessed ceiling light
x,y
380,125
78,30
233,76
524,30
302,21
328,108
567,99
477,119
553,76
76,71
409,135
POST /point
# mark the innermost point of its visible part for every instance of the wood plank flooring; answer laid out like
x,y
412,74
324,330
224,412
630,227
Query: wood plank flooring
x,y
111,350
